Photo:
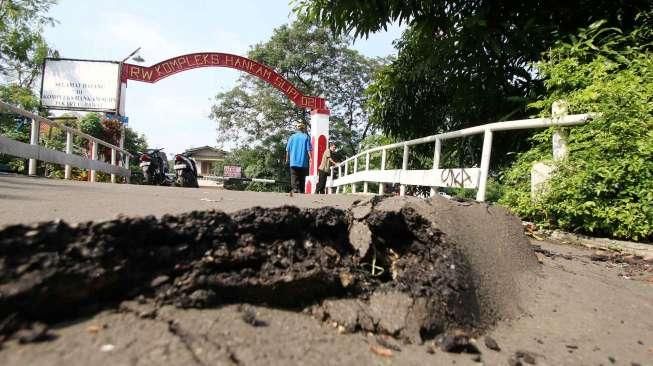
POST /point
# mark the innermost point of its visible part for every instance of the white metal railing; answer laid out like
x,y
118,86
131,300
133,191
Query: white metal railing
x,y
119,166
470,178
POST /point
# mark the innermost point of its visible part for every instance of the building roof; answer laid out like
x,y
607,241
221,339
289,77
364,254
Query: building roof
x,y
205,151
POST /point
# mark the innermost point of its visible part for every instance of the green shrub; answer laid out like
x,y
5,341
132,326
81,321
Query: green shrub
x,y
605,185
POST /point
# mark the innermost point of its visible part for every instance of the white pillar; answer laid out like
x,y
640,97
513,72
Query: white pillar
x,y
367,167
339,176
94,146
436,160
319,141
329,188
485,165
560,136
404,167
126,165
382,184
113,162
34,140
69,150
353,185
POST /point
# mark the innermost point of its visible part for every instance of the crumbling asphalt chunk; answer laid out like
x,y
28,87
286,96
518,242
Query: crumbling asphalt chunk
x,y
457,342
492,344
250,317
37,332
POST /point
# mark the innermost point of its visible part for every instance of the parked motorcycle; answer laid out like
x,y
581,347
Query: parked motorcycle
x,y
186,171
154,164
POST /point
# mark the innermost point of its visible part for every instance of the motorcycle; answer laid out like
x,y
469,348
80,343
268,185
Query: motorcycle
x,y
186,171
154,164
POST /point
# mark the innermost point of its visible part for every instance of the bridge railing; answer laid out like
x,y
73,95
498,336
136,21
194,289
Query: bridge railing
x,y
469,178
119,165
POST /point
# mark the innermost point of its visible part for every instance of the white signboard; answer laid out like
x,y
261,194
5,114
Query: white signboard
x,y
80,85
232,171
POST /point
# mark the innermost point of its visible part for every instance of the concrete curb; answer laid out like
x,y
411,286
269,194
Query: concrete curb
x,y
644,250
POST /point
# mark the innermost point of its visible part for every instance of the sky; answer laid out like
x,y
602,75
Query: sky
x,y
173,113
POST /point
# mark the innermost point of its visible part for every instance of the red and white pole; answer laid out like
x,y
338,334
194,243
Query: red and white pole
x,y
319,142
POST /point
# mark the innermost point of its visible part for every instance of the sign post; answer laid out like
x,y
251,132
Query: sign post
x,y
232,171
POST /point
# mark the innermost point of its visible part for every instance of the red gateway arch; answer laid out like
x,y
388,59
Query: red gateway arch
x,y
319,111
163,69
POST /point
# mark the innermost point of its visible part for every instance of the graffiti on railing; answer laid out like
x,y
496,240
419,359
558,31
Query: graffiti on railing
x,y
458,177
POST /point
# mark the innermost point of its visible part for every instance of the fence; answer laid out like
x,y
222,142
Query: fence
x,y
470,178
34,152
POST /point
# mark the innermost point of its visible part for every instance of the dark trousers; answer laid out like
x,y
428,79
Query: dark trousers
x,y
298,179
321,182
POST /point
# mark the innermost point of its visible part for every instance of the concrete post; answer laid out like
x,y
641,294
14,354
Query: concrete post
x,y
94,146
404,167
561,135
485,165
126,165
339,176
367,167
69,150
436,161
330,189
34,140
113,162
383,158
353,185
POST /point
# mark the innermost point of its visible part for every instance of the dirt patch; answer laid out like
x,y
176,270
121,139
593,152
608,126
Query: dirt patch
x,y
399,271
493,242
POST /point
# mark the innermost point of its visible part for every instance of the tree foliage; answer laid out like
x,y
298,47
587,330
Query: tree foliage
x,y
265,163
22,46
605,185
462,63
22,50
317,63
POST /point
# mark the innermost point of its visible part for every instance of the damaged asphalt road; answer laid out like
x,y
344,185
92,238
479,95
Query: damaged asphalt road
x,y
284,257
163,287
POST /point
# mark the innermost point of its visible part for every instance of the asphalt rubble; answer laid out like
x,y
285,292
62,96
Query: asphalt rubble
x,y
410,271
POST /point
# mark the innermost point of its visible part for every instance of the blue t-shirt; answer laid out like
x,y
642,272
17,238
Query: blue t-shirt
x,y
298,148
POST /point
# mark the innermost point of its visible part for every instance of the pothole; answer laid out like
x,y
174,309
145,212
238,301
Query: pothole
x,y
385,271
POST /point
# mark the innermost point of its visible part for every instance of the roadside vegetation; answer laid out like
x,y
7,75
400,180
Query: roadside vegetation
x,y
462,64
605,185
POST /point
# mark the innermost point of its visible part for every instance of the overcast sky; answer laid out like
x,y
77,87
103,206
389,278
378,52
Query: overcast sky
x,y
173,113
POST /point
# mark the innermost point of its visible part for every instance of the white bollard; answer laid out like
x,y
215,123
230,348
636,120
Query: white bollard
x,y
68,170
94,146
367,167
436,161
560,136
34,140
485,165
404,167
383,158
113,162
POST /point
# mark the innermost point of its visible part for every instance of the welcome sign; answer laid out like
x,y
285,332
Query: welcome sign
x,y
82,85
154,73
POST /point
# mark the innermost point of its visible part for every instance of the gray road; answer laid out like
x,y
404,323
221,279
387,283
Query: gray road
x,y
28,200
580,312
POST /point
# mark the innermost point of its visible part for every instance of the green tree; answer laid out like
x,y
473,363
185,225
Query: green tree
x,y
605,185
318,63
22,50
462,63
109,130
22,46
265,163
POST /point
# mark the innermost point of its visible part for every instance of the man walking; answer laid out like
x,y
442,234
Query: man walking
x,y
298,157
325,168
